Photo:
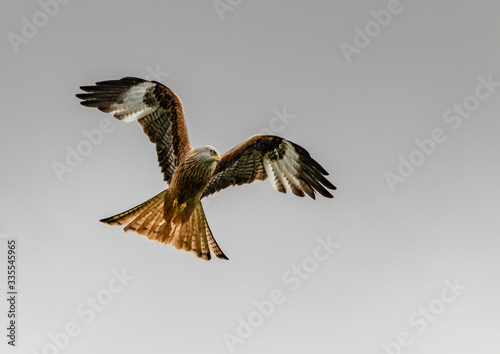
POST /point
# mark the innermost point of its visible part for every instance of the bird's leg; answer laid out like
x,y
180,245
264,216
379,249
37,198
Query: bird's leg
x,y
181,206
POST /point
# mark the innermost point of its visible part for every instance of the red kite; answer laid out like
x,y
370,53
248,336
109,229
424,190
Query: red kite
x,y
176,215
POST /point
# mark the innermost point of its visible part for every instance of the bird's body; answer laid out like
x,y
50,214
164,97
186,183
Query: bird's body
x,y
175,216
194,172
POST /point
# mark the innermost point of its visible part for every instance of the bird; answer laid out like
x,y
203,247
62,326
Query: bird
x,y
176,216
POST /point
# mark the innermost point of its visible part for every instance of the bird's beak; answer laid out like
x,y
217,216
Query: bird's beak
x,y
217,158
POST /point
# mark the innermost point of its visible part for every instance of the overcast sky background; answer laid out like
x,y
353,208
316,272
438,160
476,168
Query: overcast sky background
x,y
233,72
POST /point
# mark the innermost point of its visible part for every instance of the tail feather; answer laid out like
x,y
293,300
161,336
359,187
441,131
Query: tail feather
x,y
192,242
195,239
155,225
193,235
142,221
186,246
147,224
178,236
205,250
214,247
188,239
129,215
163,235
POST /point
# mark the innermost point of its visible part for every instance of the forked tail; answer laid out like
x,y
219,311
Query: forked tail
x,y
193,235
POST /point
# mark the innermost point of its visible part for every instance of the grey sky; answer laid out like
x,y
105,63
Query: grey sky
x,y
407,221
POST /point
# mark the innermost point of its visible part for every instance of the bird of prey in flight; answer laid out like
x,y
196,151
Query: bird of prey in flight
x,y
176,216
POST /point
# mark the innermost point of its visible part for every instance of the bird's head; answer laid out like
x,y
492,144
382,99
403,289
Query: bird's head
x,y
209,154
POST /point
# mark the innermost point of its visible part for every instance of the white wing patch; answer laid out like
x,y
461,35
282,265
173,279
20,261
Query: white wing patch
x,y
291,181
282,172
281,181
270,173
132,107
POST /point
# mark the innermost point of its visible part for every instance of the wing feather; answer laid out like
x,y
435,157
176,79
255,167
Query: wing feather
x,y
157,109
288,166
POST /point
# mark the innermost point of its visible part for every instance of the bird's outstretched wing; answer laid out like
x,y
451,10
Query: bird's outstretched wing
x,y
154,106
287,164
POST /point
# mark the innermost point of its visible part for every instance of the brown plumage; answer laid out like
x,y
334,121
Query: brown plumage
x,y
175,216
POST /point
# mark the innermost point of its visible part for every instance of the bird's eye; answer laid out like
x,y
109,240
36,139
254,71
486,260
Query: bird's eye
x,y
212,152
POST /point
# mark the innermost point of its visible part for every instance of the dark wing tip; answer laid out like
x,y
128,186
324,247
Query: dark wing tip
x,y
87,103
313,174
328,184
327,195
87,88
